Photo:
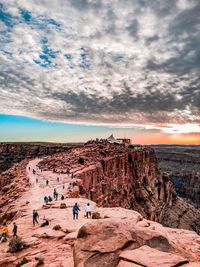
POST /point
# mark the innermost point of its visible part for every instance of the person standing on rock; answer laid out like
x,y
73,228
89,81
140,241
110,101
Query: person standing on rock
x,y
75,211
35,217
47,182
88,210
14,231
36,180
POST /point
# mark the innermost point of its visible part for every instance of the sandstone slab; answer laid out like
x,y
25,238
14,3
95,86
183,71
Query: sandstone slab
x,y
150,257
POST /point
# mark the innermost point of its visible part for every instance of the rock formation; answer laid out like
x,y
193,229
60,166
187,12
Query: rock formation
x,y
133,242
11,153
13,183
114,175
182,163
120,237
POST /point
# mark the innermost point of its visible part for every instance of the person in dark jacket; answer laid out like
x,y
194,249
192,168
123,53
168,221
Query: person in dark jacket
x,y
14,231
75,211
35,217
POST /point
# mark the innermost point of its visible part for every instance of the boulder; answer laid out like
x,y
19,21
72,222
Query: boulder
x,y
150,257
99,243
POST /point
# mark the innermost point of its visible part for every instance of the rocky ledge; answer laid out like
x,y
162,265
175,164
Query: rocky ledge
x,y
113,175
125,239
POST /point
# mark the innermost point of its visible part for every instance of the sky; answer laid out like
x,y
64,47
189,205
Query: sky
x,y
72,70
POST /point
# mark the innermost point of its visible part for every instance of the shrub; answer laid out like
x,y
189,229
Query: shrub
x,y
22,262
57,227
81,161
63,206
16,244
40,260
96,215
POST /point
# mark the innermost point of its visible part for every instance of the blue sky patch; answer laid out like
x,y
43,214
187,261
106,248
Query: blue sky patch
x,y
7,18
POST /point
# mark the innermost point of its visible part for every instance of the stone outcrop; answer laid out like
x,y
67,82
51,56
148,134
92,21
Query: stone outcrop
x,y
182,163
114,175
129,240
118,237
11,153
13,183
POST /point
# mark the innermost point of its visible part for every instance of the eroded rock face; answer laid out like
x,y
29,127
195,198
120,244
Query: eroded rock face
x,y
114,175
129,242
117,176
13,183
12,153
183,165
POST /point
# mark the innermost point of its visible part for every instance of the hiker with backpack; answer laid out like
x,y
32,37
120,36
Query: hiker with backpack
x,y
5,233
75,211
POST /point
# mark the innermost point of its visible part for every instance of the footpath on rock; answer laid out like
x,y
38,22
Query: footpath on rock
x,y
44,241
114,237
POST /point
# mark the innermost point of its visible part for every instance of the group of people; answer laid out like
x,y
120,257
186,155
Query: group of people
x,y
5,232
36,217
48,199
76,209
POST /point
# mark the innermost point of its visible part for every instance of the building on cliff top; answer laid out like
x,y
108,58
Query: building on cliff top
x,y
113,140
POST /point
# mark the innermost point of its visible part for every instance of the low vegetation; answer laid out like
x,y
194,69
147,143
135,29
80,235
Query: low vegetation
x,y
16,244
22,262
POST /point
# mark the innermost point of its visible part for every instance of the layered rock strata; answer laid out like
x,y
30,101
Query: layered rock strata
x,y
113,175
182,163
13,183
128,240
12,153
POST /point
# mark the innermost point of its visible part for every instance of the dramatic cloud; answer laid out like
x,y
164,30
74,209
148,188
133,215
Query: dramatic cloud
x,y
111,62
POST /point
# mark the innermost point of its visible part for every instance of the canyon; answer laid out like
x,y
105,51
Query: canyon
x,y
138,218
182,163
12,153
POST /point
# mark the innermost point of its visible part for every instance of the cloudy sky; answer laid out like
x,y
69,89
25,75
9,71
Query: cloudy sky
x,y
93,67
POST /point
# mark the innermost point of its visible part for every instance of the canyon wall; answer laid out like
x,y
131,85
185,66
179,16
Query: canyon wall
x,y
12,153
182,163
13,183
113,175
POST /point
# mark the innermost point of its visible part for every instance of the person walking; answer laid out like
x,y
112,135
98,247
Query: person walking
x,y
5,233
14,231
88,210
35,217
75,211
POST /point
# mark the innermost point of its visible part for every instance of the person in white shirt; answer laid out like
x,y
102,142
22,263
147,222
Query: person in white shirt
x,y
88,210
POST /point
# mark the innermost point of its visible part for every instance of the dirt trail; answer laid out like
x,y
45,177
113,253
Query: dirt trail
x,y
44,240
